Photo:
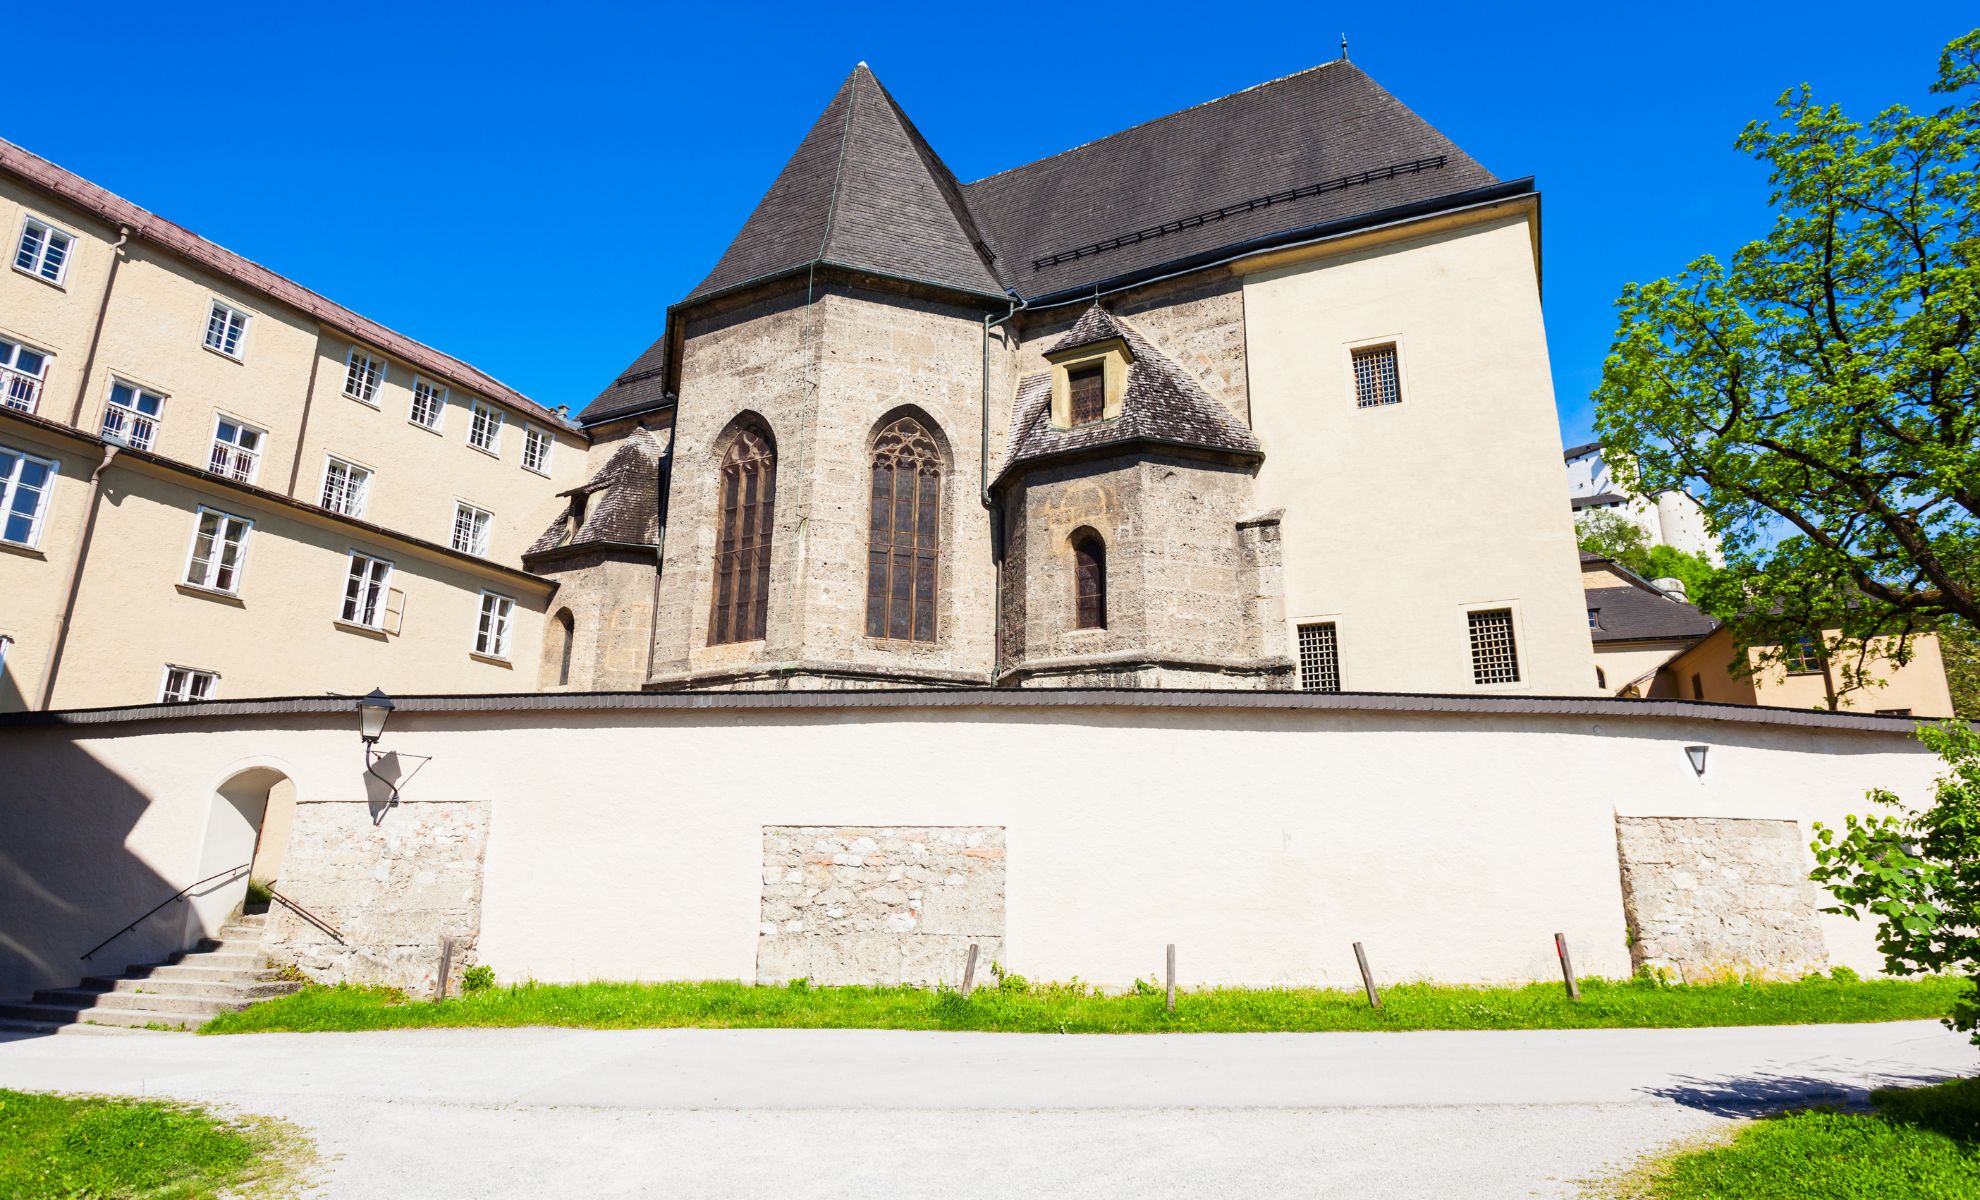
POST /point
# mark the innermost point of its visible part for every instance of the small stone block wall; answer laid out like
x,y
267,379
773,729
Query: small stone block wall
x,y
1709,896
846,905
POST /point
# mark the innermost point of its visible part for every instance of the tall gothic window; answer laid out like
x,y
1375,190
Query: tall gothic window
x,y
1090,579
904,540
741,605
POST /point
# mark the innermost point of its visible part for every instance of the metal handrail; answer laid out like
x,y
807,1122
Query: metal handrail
x,y
178,895
304,913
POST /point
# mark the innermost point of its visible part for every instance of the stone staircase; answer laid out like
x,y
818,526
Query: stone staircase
x,y
216,976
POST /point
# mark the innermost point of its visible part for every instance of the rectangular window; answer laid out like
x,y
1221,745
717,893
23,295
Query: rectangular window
x,y
24,485
1804,657
132,416
1087,388
429,404
22,372
1893,712
536,449
471,529
345,486
236,450
183,685
365,591
1697,687
1375,379
226,329
44,251
1319,658
485,430
362,375
219,551
1494,657
491,632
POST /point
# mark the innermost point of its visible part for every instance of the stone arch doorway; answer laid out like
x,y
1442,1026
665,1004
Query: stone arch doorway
x,y
247,824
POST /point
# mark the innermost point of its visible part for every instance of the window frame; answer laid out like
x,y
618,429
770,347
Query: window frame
x,y
10,487
331,462
234,448
1809,656
486,528
370,398
905,446
1515,640
383,585
537,433
48,228
239,352
215,563
1331,623
10,369
134,416
747,563
506,618
1075,375
1082,537
1366,347
192,673
477,408
437,393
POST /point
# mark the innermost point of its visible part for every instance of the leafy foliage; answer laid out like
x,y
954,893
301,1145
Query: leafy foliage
x,y
1919,873
1822,385
1960,645
478,978
1622,541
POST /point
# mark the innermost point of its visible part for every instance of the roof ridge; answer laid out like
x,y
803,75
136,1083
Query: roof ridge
x,y
839,167
1332,62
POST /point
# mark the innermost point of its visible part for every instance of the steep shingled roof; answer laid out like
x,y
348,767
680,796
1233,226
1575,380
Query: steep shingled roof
x,y
1633,614
1161,403
622,501
1287,154
864,191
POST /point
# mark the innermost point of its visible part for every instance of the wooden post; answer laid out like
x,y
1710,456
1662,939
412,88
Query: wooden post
x,y
446,968
969,971
1567,967
1172,977
1367,980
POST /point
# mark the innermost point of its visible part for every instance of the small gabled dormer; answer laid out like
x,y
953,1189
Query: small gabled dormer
x,y
1089,371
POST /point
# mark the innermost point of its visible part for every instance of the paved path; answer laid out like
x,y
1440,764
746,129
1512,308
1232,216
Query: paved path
x,y
793,1114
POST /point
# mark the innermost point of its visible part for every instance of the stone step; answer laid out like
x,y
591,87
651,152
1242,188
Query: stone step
x,y
257,920
87,1000
238,933
129,1015
224,959
249,988
191,971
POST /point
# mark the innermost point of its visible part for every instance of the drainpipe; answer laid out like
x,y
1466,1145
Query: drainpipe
x,y
61,636
990,505
96,333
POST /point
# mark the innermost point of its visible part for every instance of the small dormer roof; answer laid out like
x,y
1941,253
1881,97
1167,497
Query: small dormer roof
x,y
621,503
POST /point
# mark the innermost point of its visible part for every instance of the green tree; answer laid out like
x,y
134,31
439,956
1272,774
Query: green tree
x,y
1617,538
1919,873
1818,391
1961,647
1611,535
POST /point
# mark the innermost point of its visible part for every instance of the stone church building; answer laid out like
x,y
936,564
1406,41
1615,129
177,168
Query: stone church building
x,y
1152,412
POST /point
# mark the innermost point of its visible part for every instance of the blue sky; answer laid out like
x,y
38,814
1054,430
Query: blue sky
x,y
529,188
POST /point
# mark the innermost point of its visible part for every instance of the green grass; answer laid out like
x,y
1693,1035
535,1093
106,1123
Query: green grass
x,y
1074,1008
97,1148
1920,1144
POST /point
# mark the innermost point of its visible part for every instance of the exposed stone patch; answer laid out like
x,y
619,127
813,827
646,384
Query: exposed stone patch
x,y
1708,896
888,905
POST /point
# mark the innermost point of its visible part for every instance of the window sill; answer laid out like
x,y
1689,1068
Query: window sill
x,y
495,452
60,285
536,470
435,430
370,631
23,551
213,594
374,405
236,359
491,660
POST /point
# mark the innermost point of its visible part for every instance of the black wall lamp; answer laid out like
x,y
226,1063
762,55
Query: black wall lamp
x,y
373,711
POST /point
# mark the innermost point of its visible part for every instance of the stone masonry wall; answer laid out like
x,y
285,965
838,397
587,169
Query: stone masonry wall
x,y
880,905
393,889
1707,896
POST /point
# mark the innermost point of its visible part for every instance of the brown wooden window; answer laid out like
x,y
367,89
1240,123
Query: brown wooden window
x,y
903,556
741,606
1088,387
1090,579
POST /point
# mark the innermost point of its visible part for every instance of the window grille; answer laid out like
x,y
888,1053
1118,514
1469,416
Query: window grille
x,y
131,418
219,548
485,429
904,535
536,450
1319,658
21,374
491,631
1494,657
184,685
365,590
226,329
429,401
471,529
1375,379
740,605
1088,389
24,483
1089,580
236,450
345,487
362,375
44,251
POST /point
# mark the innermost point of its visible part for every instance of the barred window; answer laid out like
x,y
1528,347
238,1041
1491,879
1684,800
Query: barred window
x,y
1375,379
1088,388
131,418
740,607
903,555
236,450
362,375
1319,658
1090,579
22,371
1494,657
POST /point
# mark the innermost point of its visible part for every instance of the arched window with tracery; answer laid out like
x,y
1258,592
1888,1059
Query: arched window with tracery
x,y
1089,579
740,608
903,556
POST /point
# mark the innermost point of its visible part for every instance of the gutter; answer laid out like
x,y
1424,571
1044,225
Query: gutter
x,y
59,641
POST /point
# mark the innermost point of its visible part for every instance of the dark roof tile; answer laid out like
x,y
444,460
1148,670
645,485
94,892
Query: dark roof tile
x,y
1633,614
622,504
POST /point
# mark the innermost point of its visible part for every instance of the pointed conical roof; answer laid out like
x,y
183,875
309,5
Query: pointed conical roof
x,y
862,191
